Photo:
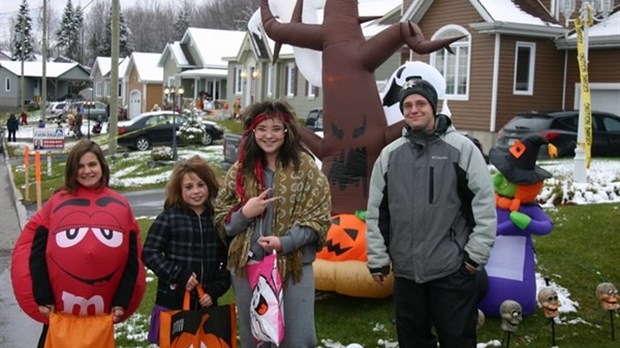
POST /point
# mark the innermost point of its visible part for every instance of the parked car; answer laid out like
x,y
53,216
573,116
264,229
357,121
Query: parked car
x,y
314,121
97,111
55,110
560,128
155,128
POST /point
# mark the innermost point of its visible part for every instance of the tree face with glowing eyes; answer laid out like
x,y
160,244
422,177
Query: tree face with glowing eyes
x,y
355,128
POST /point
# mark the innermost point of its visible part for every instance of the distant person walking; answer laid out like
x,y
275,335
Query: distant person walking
x,y
12,124
77,128
24,116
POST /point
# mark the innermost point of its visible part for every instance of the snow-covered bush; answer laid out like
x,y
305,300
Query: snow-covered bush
x,y
161,153
192,131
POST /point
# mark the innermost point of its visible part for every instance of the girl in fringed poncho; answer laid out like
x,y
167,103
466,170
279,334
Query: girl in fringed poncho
x,y
275,198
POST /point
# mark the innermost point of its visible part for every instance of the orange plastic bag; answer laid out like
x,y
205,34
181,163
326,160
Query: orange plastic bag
x,y
92,331
213,326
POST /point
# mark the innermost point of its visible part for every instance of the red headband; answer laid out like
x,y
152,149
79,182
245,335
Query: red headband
x,y
258,169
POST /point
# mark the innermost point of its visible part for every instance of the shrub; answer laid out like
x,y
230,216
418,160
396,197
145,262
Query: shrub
x,y
161,153
192,131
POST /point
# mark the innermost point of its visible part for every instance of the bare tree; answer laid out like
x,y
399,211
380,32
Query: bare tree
x,y
225,14
95,24
151,25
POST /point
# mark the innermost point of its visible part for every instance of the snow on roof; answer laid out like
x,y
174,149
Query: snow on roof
x,y
508,11
205,72
213,45
105,66
146,66
609,27
377,7
177,53
35,69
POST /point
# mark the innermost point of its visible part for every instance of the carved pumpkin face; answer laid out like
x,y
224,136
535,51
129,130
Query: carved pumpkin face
x,y
346,239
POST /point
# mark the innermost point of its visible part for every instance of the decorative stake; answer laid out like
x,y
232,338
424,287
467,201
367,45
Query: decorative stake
x,y
548,300
511,314
607,294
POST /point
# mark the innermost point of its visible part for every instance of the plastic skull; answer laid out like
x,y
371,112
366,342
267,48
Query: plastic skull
x,y
608,295
548,300
481,320
512,315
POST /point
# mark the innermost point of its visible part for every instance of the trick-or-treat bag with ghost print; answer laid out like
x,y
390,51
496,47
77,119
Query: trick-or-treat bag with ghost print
x,y
266,305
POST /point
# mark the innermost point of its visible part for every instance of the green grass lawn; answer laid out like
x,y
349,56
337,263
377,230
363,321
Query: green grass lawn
x,y
580,253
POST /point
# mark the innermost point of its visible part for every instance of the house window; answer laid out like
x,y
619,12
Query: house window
x,y
270,81
454,67
107,89
525,60
238,80
99,89
7,84
311,90
120,90
291,79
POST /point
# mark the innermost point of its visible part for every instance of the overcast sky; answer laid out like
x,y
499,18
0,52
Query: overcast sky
x,y
9,8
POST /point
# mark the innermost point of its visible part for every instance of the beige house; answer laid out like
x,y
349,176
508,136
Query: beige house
x,y
101,79
197,63
143,78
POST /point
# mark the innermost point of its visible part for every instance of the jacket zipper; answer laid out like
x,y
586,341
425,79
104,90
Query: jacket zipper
x,y
431,184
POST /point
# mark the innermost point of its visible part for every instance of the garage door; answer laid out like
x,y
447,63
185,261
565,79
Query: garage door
x,y
605,97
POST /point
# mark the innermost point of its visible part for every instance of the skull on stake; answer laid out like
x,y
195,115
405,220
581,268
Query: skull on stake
x,y
511,314
548,300
608,295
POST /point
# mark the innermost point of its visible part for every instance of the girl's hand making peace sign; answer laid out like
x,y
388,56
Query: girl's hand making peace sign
x,y
255,206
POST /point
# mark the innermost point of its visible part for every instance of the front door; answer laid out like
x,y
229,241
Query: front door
x,y
135,103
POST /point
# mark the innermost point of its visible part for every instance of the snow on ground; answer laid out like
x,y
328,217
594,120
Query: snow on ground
x,y
603,186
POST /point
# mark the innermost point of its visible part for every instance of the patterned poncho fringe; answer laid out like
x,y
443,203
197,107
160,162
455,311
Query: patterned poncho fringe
x,y
305,200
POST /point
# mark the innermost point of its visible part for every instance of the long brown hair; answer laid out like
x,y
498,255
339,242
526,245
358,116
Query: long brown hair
x,y
198,166
73,165
292,146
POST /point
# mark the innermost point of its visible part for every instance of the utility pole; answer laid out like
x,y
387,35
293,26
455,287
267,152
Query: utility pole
x,y
22,83
44,54
113,132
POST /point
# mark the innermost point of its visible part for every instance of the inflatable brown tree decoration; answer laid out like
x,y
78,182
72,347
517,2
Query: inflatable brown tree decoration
x,y
355,129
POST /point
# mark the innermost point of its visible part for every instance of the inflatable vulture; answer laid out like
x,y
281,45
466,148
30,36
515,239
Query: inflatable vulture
x,y
355,127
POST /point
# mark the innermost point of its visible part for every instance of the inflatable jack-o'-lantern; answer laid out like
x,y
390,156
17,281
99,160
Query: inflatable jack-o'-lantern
x,y
345,240
341,264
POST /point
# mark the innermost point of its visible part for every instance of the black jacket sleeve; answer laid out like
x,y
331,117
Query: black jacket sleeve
x,y
125,289
41,285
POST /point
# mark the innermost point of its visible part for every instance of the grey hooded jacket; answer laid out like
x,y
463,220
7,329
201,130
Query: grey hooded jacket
x,y
431,205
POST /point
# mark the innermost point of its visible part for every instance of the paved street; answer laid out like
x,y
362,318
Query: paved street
x,y
17,330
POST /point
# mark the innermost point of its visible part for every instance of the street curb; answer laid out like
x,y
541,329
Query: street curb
x,y
20,209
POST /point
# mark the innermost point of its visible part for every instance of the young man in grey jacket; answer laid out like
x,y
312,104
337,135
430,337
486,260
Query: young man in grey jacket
x,y
431,215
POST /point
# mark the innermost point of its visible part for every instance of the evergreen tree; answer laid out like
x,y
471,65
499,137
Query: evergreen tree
x,y
181,23
125,47
68,35
22,47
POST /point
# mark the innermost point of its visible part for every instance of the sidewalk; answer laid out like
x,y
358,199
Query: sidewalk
x,y
17,330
